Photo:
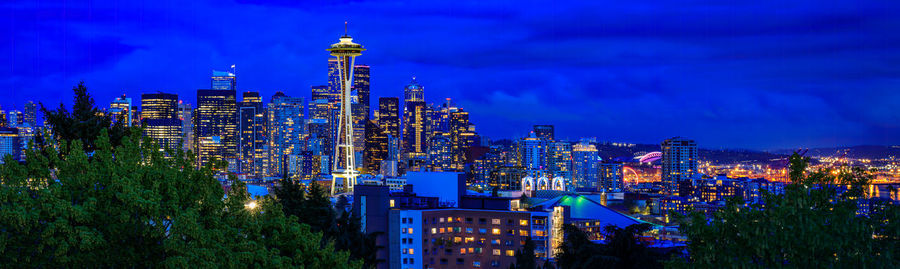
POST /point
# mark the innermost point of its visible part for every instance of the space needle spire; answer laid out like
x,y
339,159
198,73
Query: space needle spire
x,y
344,164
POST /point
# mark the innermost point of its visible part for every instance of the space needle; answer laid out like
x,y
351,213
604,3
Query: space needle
x,y
344,165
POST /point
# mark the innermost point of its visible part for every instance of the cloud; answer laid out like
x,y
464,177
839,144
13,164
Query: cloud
x,y
746,74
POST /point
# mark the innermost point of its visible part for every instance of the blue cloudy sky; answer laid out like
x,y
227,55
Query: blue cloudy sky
x,y
759,74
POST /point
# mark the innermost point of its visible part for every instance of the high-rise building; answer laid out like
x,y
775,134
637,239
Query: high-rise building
x,y
185,114
544,132
611,177
389,115
462,136
252,128
159,115
360,108
287,134
15,118
585,160
30,114
222,80
440,153
209,148
414,122
216,116
344,166
414,92
159,106
121,107
679,165
414,135
559,160
534,152
10,143
376,148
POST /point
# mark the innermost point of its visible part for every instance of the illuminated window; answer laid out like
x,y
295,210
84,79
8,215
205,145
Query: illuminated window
x,y
469,230
510,252
410,231
457,239
392,202
412,252
433,231
442,219
470,239
495,242
523,222
471,250
462,251
496,252
523,232
495,221
495,231
482,231
442,230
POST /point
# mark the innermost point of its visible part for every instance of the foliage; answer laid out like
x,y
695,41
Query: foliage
x,y
525,258
621,250
84,123
132,206
338,226
814,224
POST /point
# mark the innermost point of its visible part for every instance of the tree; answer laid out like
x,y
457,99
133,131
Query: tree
x,y
525,256
133,205
577,251
813,224
314,209
84,123
622,249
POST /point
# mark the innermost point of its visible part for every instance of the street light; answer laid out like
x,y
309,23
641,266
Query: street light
x,y
251,205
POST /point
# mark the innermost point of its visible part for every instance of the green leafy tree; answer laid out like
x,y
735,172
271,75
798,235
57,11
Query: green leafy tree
x,y
134,206
84,123
338,226
813,224
622,249
577,251
525,258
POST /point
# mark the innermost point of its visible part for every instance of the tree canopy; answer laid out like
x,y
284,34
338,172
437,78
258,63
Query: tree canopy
x,y
132,206
85,122
813,224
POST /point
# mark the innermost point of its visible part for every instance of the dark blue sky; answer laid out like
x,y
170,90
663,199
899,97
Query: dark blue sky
x,y
758,74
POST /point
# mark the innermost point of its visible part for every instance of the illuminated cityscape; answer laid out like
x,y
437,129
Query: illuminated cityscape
x,y
513,158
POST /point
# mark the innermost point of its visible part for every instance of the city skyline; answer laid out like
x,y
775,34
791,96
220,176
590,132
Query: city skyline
x,y
635,87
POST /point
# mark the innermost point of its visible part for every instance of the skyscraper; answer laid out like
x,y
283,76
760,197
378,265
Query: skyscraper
x,y
585,162
286,131
389,115
344,167
414,124
185,114
222,80
611,178
462,136
10,143
679,165
30,114
251,126
440,153
376,147
544,132
559,160
360,108
216,116
534,152
121,107
159,114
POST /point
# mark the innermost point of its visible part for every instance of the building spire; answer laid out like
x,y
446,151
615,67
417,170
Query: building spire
x,y
345,27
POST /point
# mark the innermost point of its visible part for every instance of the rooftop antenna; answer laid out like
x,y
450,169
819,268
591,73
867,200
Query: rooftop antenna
x,y
345,27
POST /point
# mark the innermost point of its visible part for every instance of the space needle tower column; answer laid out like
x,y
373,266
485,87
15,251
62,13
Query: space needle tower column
x,y
344,164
